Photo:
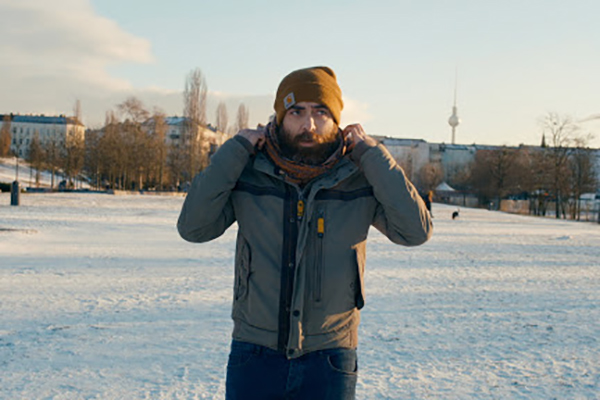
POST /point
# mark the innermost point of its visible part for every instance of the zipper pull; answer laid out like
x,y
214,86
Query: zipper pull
x,y
300,209
321,225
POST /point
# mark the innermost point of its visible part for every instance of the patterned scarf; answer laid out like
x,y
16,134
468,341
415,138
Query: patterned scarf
x,y
297,172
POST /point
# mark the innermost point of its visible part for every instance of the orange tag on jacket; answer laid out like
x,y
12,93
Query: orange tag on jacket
x,y
300,208
321,226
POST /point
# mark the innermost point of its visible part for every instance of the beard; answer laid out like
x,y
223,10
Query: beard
x,y
325,145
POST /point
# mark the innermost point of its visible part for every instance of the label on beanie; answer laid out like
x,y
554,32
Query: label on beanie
x,y
289,101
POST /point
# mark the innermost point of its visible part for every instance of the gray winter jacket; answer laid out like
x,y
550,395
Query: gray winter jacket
x,y
300,254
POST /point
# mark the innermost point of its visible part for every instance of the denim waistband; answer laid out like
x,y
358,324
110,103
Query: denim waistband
x,y
258,349
254,348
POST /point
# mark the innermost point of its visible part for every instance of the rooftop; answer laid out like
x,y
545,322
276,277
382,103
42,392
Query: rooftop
x,y
42,119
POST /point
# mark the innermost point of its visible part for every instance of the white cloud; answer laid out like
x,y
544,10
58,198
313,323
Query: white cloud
x,y
355,112
52,55
64,48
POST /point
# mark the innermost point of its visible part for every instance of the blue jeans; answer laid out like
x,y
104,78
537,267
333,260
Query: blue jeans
x,y
257,372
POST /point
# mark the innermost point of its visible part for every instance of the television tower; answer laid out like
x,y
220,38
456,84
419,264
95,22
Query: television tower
x,y
454,120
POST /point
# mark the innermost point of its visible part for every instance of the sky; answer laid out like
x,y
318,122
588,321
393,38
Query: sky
x,y
398,62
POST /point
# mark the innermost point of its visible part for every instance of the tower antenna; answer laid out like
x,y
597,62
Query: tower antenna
x,y
453,121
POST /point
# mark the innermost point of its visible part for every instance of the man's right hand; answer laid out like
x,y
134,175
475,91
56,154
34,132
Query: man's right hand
x,y
256,137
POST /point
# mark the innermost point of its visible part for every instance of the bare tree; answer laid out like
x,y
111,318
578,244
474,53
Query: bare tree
x,y
51,148
522,171
194,96
460,176
242,118
5,136
113,153
583,177
157,150
222,118
92,162
71,155
77,111
541,181
176,163
135,141
133,109
430,176
495,173
194,111
36,156
130,153
561,131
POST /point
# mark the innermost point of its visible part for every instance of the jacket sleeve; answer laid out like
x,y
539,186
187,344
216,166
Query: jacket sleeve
x,y
207,210
401,214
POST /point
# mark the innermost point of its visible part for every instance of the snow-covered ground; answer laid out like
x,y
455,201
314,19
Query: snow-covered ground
x,y
100,299
8,173
26,174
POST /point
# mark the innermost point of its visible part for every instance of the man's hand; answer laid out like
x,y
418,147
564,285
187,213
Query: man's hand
x,y
354,134
256,137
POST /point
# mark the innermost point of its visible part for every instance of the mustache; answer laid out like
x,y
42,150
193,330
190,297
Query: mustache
x,y
306,135
314,137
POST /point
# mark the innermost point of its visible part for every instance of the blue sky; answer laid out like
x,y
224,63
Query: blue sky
x,y
396,60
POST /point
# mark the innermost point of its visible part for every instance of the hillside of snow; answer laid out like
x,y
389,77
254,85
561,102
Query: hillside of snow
x,y
8,173
101,299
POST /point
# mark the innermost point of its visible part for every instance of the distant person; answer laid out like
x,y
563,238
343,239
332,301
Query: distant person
x,y
304,193
428,199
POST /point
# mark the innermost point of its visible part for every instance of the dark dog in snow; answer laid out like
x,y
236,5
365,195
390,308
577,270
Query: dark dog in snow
x,y
455,214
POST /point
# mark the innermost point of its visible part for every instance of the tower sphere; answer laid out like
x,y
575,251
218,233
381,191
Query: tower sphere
x,y
454,120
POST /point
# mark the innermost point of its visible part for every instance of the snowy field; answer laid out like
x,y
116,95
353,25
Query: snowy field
x,y
101,299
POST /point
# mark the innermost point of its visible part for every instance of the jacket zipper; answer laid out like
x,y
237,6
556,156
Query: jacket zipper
x,y
291,212
319,256
300,208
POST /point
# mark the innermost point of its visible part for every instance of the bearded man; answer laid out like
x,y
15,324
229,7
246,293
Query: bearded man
x,y
304,193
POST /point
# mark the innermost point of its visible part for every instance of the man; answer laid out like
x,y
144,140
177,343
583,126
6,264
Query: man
x,y
304,193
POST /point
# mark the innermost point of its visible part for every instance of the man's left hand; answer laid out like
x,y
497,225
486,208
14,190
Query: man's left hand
x,y
354,134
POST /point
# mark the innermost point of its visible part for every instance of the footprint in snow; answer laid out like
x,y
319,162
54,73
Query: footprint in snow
x,y
566,237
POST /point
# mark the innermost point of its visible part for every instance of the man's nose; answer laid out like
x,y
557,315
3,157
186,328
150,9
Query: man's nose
x,y
309,123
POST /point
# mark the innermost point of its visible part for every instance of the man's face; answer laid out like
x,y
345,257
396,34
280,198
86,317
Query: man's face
x,y
308,133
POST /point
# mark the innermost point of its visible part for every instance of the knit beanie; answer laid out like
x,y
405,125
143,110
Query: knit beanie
x,y
315,84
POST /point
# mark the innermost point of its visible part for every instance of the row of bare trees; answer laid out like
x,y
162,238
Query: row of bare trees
x,y
558,172
53,154
131,151
124,154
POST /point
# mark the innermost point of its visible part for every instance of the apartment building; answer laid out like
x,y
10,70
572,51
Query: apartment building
x,y
58,129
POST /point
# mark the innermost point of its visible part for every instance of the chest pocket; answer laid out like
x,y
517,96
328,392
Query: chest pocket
x,y
334,271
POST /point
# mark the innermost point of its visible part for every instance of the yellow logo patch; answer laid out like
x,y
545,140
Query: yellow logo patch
x,y
289,101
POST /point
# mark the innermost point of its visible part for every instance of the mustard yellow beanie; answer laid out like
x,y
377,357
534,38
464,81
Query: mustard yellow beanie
x,y
315,84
